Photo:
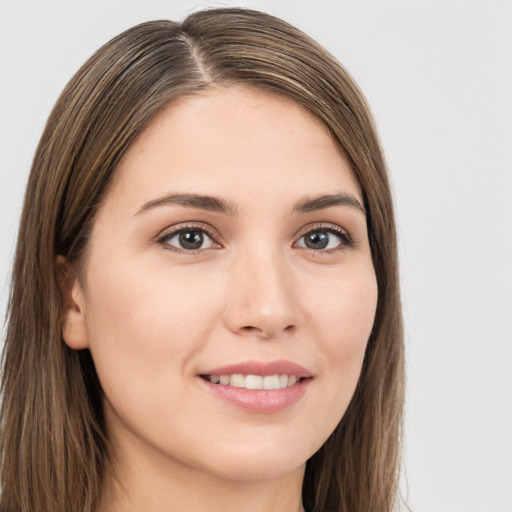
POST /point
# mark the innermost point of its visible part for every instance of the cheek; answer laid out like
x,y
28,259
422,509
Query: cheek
x,y
339,313
343,311
146,326
341,321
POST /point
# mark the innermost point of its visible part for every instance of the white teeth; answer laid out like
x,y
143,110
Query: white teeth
x,y
254,382
271,382
239,380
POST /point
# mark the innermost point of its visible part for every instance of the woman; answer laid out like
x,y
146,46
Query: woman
x,y
205,307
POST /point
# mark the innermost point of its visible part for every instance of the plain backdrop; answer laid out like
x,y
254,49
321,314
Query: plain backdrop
x,y
438,75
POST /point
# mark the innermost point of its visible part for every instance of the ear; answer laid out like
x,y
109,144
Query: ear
x,y
74,325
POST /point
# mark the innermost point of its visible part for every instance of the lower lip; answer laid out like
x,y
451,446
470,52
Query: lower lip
x,y
265,401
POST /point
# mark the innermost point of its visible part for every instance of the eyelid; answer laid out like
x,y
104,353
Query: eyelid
x,y
177,228
342,233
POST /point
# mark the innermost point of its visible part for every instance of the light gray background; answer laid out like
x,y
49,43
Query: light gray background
x,y
438,75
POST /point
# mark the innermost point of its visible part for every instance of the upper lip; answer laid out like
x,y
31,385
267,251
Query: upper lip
x,y
277,367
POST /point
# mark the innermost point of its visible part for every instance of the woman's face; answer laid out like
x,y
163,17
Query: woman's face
x,y
231,252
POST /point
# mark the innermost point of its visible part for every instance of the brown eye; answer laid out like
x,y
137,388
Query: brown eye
x,y
188,240
323,239
316,239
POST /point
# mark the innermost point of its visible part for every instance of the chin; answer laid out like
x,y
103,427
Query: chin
x,y
264,459
258,469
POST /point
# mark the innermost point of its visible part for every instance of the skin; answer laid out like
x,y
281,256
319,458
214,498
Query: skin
x,y
154,314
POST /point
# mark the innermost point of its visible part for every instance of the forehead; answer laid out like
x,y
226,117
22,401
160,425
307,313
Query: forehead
x,y
234,140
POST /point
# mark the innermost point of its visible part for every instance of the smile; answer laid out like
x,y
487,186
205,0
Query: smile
x,y
268,382
258,387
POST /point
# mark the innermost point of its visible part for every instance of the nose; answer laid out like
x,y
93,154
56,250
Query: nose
x,y
262,299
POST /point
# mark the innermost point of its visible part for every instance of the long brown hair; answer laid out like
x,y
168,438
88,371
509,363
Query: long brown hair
x,y
54,445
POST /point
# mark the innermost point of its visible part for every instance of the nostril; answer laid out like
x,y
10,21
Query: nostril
x,y
267,333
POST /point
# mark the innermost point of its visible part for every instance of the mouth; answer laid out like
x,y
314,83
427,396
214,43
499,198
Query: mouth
x,y
268,382
258,387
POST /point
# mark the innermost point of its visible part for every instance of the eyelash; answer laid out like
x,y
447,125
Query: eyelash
x,y
167,235
346,240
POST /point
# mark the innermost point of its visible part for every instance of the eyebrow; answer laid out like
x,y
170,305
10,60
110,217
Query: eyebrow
x,y
310,204
216,204
212,204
